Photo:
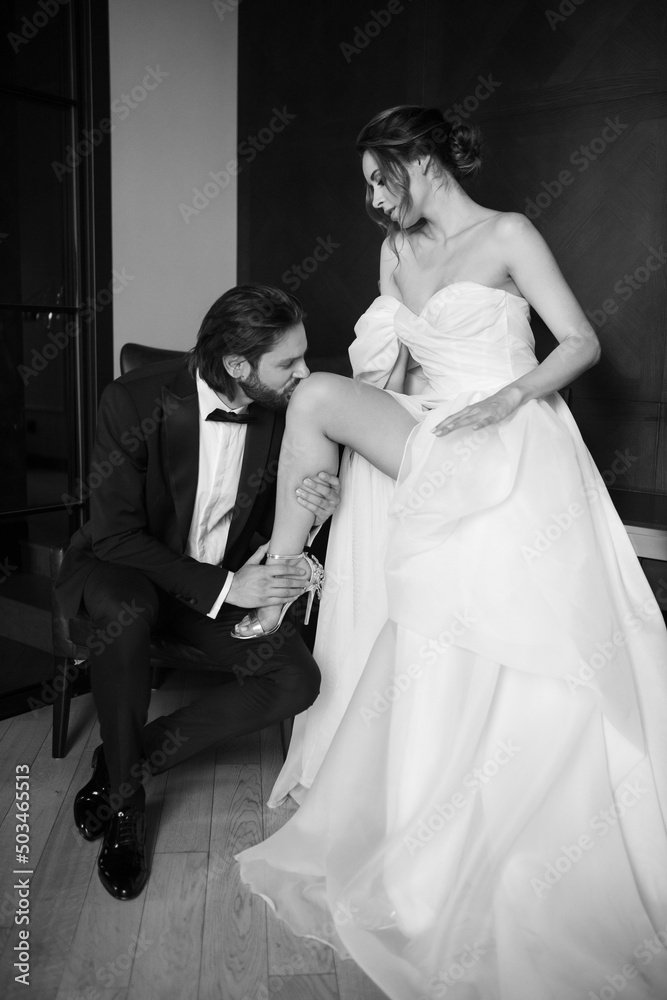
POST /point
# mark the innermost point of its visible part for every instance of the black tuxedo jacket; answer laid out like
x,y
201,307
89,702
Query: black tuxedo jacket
x,y
143,483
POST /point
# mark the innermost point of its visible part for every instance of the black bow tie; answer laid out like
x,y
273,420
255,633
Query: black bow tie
x,y
231,418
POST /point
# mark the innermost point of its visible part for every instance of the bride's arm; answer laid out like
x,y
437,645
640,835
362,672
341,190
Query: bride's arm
x,y
532,267
388,286
396,380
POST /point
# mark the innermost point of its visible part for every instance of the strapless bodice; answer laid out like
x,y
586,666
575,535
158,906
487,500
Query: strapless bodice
x,y
467,337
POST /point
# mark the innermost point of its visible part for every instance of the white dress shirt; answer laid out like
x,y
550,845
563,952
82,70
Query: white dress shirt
x,y
221,447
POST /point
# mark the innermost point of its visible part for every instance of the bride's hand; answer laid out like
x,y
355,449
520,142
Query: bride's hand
x,y
488,411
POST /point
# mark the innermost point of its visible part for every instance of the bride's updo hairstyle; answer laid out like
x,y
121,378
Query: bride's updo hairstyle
x,y
406,133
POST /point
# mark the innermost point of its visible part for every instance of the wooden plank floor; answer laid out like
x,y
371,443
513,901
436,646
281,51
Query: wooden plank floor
x,y
195,933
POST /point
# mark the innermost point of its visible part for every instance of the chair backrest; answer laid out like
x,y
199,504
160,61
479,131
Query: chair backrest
x,y
137,355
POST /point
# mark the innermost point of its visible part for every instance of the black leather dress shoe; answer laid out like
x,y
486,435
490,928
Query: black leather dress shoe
x,y
91,805
122,864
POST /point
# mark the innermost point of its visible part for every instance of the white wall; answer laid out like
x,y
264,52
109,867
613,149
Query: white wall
x,y
163,148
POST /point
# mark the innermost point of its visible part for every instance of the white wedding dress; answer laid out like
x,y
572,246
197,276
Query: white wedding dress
x,y
489,820
353,607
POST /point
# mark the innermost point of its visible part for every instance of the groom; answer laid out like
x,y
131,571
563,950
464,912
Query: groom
x,y
172,544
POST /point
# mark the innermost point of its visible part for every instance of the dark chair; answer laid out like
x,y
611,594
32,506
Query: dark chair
x,y
72,636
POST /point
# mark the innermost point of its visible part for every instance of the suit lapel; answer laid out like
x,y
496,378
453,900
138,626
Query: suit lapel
x,y
253,469
182,437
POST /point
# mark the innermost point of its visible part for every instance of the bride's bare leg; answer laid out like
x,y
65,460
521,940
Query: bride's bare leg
x,y
327,410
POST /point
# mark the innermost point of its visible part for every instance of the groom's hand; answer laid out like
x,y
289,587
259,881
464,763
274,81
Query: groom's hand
x,y
256,586
320,495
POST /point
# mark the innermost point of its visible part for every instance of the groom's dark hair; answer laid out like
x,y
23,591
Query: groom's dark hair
x,y
247,320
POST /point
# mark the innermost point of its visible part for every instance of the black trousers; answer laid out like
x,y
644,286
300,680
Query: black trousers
x,y
261,681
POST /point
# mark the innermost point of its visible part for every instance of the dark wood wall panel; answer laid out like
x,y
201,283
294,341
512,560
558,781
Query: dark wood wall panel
x,y
548,87
307,185
602,224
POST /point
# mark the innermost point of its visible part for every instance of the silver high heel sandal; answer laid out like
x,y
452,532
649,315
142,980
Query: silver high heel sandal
x,y
251,623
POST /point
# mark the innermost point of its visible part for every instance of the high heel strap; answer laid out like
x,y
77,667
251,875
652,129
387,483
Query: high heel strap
x,y
252,624
314,565
316,575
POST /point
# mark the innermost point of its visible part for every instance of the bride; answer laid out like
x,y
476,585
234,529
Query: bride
x,y
353,601
489,820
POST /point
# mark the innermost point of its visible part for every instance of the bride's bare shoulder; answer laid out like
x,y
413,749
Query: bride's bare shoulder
x,y
511,226
516,239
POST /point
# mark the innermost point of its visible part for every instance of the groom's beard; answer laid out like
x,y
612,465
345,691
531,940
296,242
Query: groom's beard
x,y
263,394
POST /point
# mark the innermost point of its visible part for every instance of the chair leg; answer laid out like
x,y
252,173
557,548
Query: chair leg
x,y
285,735
62,686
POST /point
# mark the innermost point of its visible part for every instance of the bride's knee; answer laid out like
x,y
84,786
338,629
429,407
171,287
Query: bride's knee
x,y
315,392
